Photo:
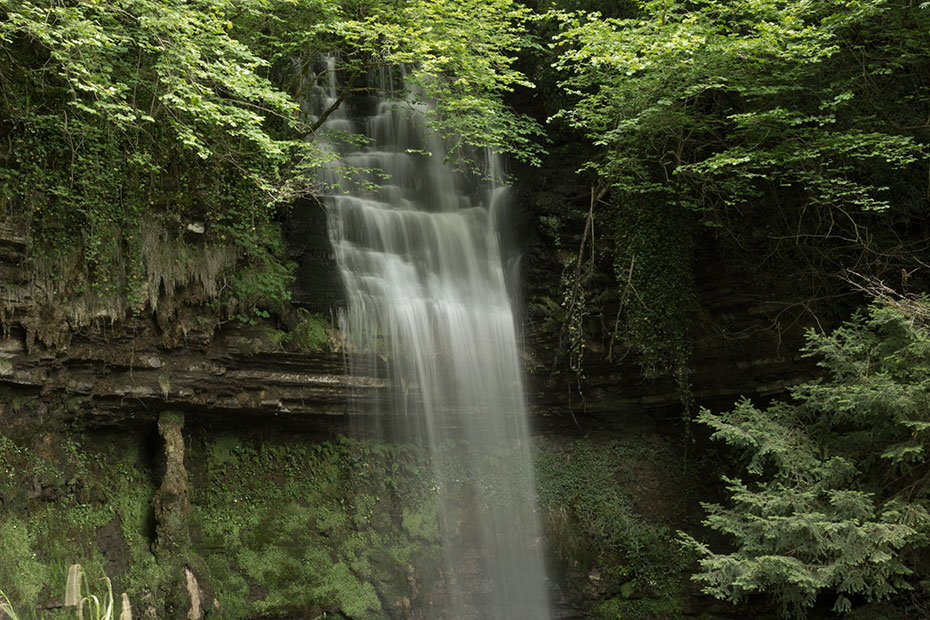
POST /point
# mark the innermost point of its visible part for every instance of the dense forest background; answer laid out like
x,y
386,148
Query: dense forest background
x,y
155,149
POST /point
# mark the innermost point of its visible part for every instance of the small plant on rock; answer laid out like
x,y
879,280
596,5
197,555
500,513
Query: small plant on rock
x,y
6,608
97,609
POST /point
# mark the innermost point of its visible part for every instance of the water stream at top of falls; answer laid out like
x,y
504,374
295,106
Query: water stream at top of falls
x,y
417,246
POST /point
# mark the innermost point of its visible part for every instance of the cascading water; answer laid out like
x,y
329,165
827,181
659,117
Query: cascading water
x,y
418,250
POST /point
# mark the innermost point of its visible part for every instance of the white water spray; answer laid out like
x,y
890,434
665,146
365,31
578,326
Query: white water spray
x,y
417,246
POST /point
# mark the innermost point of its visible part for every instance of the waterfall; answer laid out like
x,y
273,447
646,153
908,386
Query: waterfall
x,y
417,246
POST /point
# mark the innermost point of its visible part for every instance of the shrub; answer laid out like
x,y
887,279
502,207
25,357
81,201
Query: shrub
x,y
834,492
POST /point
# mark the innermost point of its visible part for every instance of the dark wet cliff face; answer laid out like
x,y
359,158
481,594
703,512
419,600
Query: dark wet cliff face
x,y
272,488
742,342
183,356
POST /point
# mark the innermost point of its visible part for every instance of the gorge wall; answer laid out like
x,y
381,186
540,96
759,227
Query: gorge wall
x,y
127,370
261,418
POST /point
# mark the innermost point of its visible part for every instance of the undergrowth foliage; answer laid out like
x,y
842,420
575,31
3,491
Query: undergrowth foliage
x,y
587,496
323,527
834,498
58,495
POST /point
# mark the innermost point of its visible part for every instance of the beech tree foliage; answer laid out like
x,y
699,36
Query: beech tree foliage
x,y
461,56
702,103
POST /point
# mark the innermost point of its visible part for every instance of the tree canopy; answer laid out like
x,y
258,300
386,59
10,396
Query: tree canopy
x,y
121,113
793,137
794,132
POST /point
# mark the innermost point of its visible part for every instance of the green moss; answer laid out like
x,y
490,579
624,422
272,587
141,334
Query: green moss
x,y
222,450
331,518
590,493
21,574
310,333
356,599
423,523
289,528
280,529
302,529
59,493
